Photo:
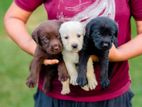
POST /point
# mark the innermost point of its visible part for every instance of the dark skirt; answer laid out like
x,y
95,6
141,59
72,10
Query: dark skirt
x,y
41,100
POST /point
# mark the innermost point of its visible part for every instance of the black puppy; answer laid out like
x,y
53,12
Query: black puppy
x,y
49,46
101,32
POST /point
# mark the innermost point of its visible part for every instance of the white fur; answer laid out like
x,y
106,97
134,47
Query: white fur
x,y
72,32
69,32
65,87
71,29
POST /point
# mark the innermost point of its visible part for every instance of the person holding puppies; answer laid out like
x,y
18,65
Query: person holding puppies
x,y
118,94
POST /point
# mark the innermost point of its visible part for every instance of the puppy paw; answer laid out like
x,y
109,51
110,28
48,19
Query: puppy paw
x,y
92,83
31,82
65,87
105,83
65,91
73,80
81,80
85,88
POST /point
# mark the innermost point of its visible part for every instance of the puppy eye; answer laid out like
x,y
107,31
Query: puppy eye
x,y
78,36
45,40
66,37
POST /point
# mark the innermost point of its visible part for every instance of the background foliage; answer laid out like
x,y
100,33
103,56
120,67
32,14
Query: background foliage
x,y
14,65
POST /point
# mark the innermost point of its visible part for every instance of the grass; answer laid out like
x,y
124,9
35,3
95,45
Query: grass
x,y
14,67
3,7
13,73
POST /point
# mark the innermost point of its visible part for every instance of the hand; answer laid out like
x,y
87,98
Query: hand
x,y
50,61
114,54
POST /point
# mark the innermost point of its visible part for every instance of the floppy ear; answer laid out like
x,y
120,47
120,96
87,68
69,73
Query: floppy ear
x,y
35,36
116,27
87,36
88,29
114,40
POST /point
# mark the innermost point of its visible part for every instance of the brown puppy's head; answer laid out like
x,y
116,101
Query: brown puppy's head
x,y
46,35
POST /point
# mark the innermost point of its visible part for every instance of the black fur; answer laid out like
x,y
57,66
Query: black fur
x,y
101,32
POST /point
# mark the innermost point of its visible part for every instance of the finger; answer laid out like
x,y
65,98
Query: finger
x,y
50,62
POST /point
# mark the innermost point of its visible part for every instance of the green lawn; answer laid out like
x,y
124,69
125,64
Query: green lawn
x,y
3,7
14,65
13,72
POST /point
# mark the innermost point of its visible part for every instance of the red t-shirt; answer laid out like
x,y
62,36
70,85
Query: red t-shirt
x,y
120,81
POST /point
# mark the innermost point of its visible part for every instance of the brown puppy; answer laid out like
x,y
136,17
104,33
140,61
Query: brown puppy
x,y
49,46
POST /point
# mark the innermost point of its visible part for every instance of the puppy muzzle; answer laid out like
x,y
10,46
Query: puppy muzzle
x,y
74,46
106,45
55,49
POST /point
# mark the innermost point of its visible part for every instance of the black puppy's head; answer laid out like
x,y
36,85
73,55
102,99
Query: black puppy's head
x,y
47,37
103,32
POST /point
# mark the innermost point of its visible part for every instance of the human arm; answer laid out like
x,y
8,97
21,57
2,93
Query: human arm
x,y
15,21
130,49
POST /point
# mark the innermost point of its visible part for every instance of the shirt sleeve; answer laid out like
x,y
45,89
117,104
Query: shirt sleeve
x,y
136,9
28,5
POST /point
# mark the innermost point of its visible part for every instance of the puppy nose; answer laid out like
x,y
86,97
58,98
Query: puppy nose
x,y
56,46
105,45
74,46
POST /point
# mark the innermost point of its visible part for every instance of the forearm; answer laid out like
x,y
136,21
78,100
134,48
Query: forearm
x,y
18,33
15,20
128,50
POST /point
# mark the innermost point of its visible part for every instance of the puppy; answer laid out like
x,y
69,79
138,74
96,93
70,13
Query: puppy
x,y
101,32
49,46
72,34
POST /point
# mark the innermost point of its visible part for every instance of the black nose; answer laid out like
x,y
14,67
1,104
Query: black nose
x,y
74,46
105,45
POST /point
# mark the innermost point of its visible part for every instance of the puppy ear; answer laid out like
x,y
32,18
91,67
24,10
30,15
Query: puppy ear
x,y
114,40
87,35
88,29
35,36
116,27
85,41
